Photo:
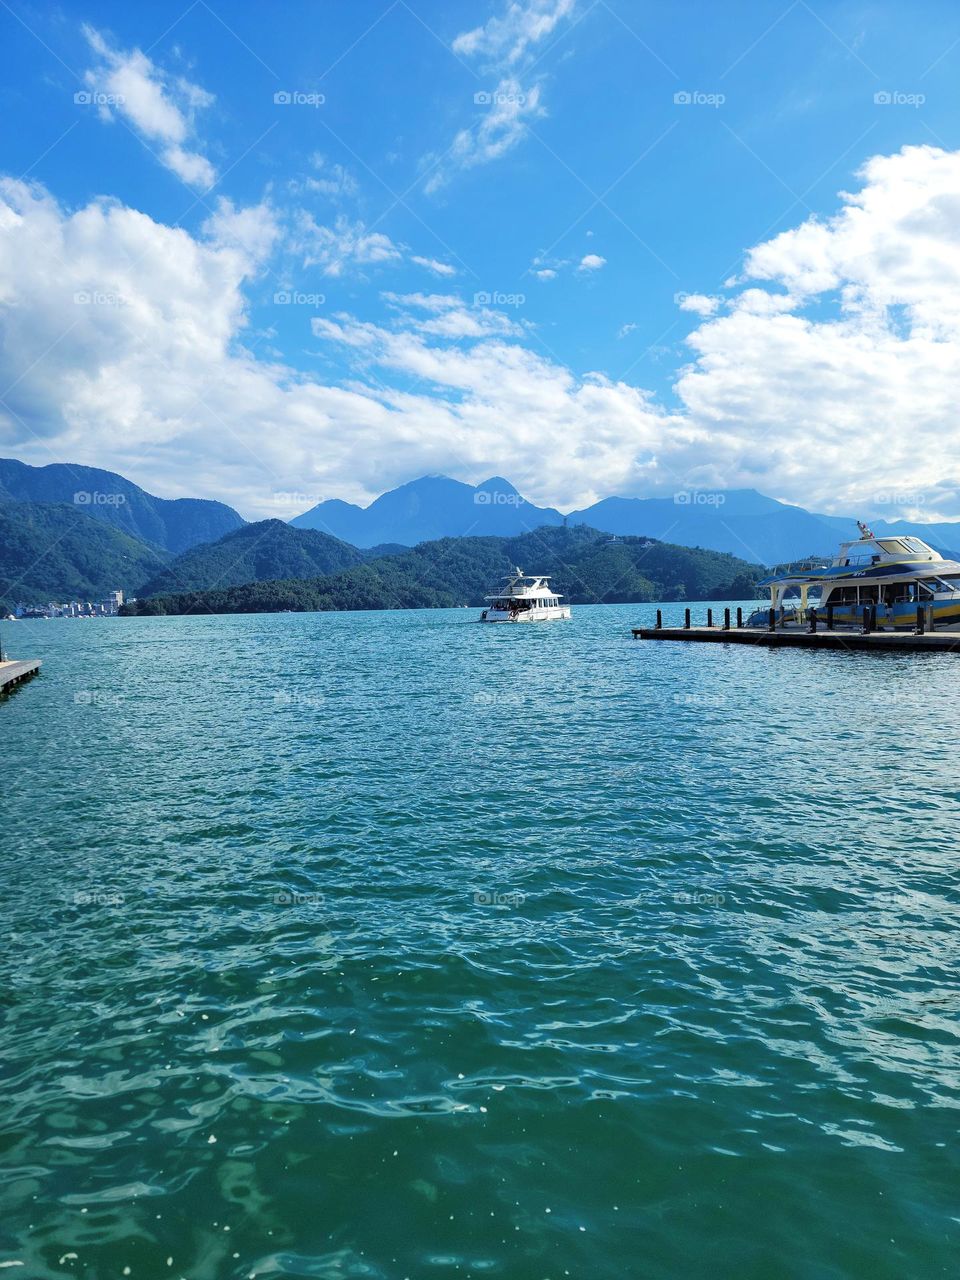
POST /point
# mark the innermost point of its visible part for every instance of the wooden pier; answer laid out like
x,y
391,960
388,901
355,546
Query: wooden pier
x,y
12,673
815,636
875,640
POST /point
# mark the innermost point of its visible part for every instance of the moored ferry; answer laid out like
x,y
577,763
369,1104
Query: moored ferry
x,y
893,574
525,598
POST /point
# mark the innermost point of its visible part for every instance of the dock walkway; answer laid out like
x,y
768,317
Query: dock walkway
x,y
876,641
11,673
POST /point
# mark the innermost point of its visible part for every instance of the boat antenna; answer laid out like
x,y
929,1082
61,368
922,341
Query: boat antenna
x,y
865,530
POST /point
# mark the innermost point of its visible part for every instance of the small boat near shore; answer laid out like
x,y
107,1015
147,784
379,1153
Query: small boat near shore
x,y
892,575
525,598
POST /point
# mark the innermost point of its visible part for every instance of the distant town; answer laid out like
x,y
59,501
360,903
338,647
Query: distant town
x,y
106,608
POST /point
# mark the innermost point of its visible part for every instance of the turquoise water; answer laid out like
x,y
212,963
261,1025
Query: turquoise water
x,y
390,945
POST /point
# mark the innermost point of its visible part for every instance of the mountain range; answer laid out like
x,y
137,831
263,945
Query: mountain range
x,y
173,524
70,532
742,522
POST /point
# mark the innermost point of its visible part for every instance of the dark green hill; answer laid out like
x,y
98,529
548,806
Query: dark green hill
x,y
586,566
174,524
51,551
268,549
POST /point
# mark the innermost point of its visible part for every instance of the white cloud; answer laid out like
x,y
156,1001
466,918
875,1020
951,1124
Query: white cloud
x,y
504,46
346,243
505,39
591,262
502,124
545,273
253,231
702,304
831,376
335,181
431,264
160,108
626,329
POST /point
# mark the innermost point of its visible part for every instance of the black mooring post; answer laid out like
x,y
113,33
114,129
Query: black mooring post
x,y
686,619
829,617
709,617
726,619
930,619
739,616
866,620
920,620
773,620
813,622
659,620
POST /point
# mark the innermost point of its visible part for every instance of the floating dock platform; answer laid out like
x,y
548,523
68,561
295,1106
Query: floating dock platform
x,y
876,641
777,635
12,673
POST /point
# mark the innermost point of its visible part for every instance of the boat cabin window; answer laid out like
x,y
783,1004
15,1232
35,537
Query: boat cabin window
x,y
854,561
915,545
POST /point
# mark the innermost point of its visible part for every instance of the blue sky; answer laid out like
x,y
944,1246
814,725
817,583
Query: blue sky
x,y
587,221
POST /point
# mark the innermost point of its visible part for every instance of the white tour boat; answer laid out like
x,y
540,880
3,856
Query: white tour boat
x,y
525,598
892,574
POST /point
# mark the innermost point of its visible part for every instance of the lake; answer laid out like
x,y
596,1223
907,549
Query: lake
x,y
391,945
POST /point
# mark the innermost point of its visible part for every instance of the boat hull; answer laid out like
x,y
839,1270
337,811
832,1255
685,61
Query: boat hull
x,y
526,615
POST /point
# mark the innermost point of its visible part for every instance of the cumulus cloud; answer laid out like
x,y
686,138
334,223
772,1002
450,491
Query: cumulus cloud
x,y
702,304
160,108
591,262
831,375
125,341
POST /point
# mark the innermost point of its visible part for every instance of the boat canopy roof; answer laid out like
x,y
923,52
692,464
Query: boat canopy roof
x,y
522,586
